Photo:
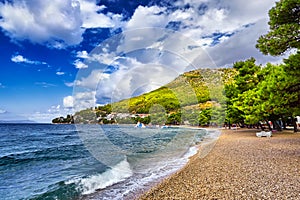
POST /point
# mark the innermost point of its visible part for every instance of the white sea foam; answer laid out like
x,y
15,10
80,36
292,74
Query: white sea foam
x,y
192,151
90,184
146,179
150,171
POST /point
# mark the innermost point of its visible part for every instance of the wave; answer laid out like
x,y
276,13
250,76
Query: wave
x,y
77,187
113,175
63,153
144,180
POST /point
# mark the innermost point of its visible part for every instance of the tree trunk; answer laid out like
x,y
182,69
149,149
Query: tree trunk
x,y
295,125
278,125
261,126
284,123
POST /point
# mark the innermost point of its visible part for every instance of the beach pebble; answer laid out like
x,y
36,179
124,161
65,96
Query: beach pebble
x,y
240,166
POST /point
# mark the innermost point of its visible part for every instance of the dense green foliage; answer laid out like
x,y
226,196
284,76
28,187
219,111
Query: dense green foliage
x,y
280,88
263,94
284,31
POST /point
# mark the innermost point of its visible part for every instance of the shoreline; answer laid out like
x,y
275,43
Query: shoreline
x,y
160,168
237,165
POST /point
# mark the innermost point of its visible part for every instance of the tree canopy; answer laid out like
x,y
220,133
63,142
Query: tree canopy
x,y
284,31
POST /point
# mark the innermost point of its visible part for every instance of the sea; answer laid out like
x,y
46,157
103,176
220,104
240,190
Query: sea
x,y
56,161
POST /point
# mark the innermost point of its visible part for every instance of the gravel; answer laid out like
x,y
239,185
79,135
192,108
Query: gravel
x,y
239,166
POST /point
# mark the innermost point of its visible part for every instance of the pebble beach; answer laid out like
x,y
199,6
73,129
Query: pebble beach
x,y
238,165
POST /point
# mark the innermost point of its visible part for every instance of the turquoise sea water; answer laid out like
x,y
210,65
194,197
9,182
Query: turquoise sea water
x,y
45,161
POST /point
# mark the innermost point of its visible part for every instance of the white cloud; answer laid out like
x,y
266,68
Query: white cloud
x,y
42,22
57,23
60,73
200,25
82,54
93,18
92,80
82,100
218,22
68,102
79,64
153,16
1,85
21,59
103,57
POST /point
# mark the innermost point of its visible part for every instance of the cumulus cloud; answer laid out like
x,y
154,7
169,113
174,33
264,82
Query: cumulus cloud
x,y
82,100
201,20
82,54
57,23
93,18
42,22
79,64
92,80
144,16
68,102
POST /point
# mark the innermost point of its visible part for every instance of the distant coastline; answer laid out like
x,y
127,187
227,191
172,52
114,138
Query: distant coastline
x,y
18,122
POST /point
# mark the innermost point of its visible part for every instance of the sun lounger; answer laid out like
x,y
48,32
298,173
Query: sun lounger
x,y
264,134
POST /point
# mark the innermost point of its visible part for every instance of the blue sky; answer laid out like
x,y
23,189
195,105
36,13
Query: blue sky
x,y
61,56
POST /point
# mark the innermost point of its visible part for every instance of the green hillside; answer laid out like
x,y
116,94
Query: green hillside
x,y
190,90
192,98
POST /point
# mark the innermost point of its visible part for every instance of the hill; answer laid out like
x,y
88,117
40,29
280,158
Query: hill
x,y
195,97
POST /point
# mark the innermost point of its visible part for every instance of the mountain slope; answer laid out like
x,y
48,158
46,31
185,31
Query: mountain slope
x,y
195,97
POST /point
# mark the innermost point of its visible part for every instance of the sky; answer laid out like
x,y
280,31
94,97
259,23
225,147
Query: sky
x,y
57,57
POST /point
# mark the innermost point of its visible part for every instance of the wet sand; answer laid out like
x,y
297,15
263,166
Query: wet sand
x,y
238,165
